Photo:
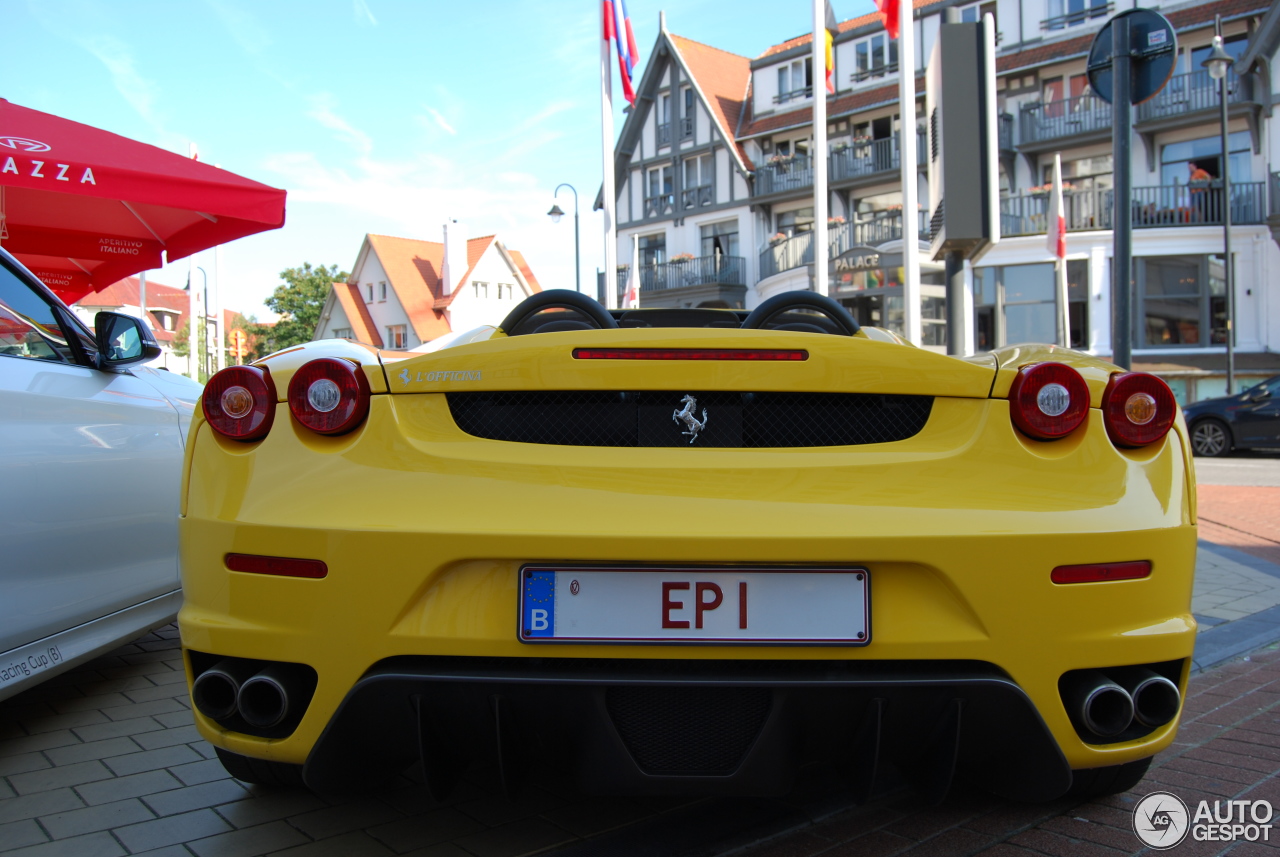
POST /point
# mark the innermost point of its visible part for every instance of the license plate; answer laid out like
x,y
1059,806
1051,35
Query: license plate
x,y
816,606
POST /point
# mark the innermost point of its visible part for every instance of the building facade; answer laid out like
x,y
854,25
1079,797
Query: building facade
x,y
715,179
403,292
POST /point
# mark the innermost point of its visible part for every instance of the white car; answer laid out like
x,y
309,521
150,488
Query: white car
x,y
90,459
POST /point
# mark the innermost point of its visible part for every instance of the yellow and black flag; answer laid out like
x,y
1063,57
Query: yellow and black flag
x,y
831,30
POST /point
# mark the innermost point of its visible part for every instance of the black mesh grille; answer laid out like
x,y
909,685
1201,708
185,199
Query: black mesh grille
x,y
688,730
650,418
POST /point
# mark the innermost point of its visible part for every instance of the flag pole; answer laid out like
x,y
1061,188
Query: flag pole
x,y
910,182
818,157
606,146
1057,230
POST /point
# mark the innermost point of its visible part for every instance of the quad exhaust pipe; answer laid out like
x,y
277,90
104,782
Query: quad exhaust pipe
x,y
263,696
1106,705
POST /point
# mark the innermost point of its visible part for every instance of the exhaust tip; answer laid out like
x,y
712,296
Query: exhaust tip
x,y
214,694
263,701
1155,701
1107,710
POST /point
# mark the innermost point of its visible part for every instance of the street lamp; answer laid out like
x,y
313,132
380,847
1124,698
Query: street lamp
x,y
555,213
1218,63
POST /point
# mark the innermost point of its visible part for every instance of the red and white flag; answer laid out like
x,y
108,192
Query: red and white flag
x,y
1057,229
631,299
889,15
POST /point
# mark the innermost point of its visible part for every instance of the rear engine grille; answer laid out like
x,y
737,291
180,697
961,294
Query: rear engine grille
x,y
690,731
752,420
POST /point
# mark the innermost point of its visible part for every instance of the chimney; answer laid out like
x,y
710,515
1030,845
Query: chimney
x,y
455,256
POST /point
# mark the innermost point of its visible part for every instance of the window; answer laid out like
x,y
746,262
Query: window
x,y
664,119
1182,300
1083,173
505,288
1070,13
699,175
791,223
342,333
29,326
874,57
660,198
382,291
795,81
1019,303
720,239
1234,45
1179,160
686,119
397,336
653,250
481,290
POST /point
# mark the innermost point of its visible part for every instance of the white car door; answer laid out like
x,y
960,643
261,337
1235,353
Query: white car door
x,y
89,478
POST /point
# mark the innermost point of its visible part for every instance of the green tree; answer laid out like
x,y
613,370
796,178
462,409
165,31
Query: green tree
x,y
298,300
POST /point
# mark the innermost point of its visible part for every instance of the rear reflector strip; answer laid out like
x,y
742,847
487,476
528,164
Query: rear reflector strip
x,y
770,354
276,565
1102,572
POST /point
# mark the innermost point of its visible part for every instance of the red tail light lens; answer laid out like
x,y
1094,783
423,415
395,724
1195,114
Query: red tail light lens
x,y
240,402
279,566
329,396
1048,400
1138,408
1102,572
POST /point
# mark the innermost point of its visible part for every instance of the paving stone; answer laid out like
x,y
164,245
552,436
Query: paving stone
x,y
19,834
54,778
249,842
518,837
119,728
168,737
143,709
5,791
94,818
587,817
177,676
356,844
120,788
204,748
92,845
355,815
10,765
87,703
38,804
171,830
33,743
91,750
196,797
263,805
420,831
176,718
56,722
200,772
150,694
150,760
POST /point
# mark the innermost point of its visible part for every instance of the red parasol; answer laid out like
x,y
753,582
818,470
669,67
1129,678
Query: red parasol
x,y
82,207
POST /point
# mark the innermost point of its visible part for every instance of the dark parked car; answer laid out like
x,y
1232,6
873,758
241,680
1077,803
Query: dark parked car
x,y
1248,420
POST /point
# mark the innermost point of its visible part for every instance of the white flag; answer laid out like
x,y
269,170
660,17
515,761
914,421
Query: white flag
x,y
1057,227
632,298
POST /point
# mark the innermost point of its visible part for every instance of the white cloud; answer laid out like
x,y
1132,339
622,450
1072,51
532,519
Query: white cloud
x,y
243,26
440,121
322,110
363,13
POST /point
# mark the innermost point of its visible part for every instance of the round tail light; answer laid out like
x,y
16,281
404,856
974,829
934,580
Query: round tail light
x,y
1048,400
240,402
329,396
1138,409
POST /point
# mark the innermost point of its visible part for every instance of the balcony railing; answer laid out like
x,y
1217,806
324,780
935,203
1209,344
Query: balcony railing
x,y
1071,19
686,127
797,251
793,95
874,71
1188,93
664,133
1154,206
657,206
1005,130
717,270
1065,117
864,159
1275,194
696,197
793,173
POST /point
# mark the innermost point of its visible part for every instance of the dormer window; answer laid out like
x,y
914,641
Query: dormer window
x,y
874,57
795,80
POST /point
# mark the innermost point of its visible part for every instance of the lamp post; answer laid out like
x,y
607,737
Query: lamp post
x,y
1218,63
556,214
204,329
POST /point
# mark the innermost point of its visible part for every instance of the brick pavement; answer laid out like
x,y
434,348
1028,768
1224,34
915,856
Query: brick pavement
x,y
1244,517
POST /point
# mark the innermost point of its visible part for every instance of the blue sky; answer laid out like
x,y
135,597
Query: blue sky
x,y
383,116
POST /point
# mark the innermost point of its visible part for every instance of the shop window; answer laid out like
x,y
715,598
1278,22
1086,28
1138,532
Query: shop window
x,y
1181,301
1019,303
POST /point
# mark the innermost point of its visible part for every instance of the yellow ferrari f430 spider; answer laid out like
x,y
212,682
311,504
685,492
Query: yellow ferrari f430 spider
x,y
688,551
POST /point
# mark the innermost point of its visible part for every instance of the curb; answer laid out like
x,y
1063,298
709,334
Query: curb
x,y
1232,639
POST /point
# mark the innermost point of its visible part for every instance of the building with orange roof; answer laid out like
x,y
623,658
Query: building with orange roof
x,y
405,292
713,168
